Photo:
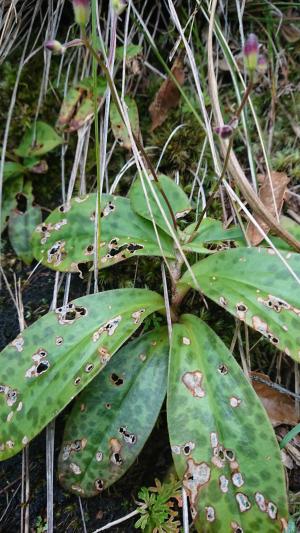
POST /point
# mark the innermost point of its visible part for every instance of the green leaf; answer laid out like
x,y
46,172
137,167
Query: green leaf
x,y
20,228
210,231
38,141
12,170
223,444
47,365
132,50
113,417
177,198
10,191
66,238
118,127
254,285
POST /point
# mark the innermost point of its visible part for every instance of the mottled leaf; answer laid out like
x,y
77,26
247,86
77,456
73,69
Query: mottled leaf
x,y
20,228
38,141
254,285
177,198
47,365
223,444
118,127
209,235
12,170
114,415
66,238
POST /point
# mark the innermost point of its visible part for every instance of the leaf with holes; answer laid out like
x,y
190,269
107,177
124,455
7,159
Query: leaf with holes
x,y
11,189
223,444
179,201
20,228
38,140
47,365
254,285
113,417
209,235
118,127
66,238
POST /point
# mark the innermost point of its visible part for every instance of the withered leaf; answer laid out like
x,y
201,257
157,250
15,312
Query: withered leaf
x,y
168,95
279,406
279,183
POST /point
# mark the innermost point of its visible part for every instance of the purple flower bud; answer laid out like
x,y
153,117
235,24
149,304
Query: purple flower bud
x,y
55,47
262,65
119,6
224,131
251,52
81,11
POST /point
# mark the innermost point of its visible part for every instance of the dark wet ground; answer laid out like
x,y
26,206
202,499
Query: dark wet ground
x,y
113,503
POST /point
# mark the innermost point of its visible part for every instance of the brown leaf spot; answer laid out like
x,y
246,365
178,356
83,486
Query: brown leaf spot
x,y
195,477
18,343
99,485
237,479
137,315
210,514
243,502
223,483
192,381
241,310
109,328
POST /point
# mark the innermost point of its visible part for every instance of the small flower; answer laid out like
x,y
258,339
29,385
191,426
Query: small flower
x,y
81,11
55,47
119,6
251,53
224,131
262,65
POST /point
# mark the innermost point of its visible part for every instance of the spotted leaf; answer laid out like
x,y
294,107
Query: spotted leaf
x,y
114,415
46,366
254,285
20,228
223,444
177,198
66,238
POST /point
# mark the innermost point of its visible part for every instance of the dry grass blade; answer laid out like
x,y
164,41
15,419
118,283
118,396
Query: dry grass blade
x,y
279,184
234,166
168,95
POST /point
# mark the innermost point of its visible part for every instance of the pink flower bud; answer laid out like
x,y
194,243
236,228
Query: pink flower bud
x,y
81,11
55,47
262,65
224,131
251,52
